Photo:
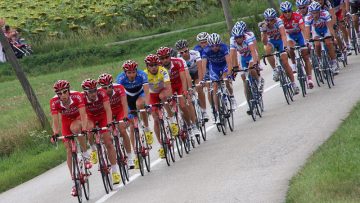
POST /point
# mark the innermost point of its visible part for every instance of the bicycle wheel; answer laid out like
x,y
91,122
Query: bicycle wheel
x,y
77,176
353,37
119,159
108,166
250,101
124,161
164,144
222,112
178,141
327,70
198,118
170,140
85,184
103,168
256,95
145,152
139,151
284,86
301,77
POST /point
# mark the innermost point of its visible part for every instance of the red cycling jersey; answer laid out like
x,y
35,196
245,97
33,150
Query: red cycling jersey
x,y
96,108
72,111
292,25
177,66
115,98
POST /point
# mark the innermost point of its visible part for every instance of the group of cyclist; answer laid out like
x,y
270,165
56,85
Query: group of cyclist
x,y
104,99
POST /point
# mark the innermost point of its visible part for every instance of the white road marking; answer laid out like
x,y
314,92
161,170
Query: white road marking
x,y
157,161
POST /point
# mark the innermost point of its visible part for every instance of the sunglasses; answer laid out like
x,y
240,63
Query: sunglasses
x,y
59,93
289,11
301,8
152,65
164,57
91,91
184,52
269,19
203,42
107,87
215,45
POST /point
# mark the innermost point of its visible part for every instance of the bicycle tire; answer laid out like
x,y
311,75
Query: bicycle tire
x,y
86,185
170,141
125,165
327,70
257,99
178,140
76,174
284,87
250,101
222,111
163,138
101,166
108,176
145,153
230,114
198,118
301,77
139,152
119,158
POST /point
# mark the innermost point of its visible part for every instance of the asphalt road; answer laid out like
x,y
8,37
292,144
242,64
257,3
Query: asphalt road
x,y
252,164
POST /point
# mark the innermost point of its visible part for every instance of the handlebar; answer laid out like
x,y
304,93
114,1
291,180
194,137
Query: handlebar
x,y
321,39
71,136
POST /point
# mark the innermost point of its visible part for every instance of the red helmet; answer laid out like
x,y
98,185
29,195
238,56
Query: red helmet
x,y
152,59
89,84
61,84
163,51
130,65
105,79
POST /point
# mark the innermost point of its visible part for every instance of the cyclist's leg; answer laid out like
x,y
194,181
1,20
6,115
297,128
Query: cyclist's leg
x,y
163,96
354,9
75,128
140,104
284,59
269,48
65,130
340,18
155,116
201,94
122,128
305,56
291,42
215,75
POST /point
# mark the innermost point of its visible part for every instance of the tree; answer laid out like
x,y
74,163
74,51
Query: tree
x,y
227,14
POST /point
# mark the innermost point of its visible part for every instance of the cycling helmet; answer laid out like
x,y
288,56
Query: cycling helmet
x,y
214,38
129,65
314,6
105,79
183,43
302,2
202,36
89,84
61,84
270,13
152,59
285,6
163,51
241,24
237,31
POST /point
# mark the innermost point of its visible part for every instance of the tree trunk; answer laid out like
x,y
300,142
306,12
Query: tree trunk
x,y
227,14
273,5
10,55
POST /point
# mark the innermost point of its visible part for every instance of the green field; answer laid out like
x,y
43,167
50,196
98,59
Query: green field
x,y
332,173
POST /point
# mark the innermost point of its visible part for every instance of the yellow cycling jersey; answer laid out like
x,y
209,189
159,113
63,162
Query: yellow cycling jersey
x,y
157,81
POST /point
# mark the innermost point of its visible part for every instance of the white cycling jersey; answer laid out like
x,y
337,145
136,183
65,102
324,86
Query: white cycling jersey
x,y
191,63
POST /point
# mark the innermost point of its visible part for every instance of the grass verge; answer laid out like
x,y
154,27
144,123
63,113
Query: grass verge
x,y
332,173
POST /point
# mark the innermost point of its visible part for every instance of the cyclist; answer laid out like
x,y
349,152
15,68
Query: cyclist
x,y
68,106
302,6
136,87
273,36
160,91
321,26
294,27
242,41
119,109
180,84
355,9
220,67
193,63
98,110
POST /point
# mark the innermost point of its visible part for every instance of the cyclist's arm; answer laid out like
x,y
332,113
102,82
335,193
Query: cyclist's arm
x,y
228,62
108,111
204,64
147,94
124,104
201,71
188,78
330,26
55,126
167,88
333,16
233,55
264,38
347,6
254,54
183,79
83,118
283,36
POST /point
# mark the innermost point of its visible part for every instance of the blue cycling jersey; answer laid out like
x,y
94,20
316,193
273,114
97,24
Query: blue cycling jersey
x,y
216,59
199,49
133,88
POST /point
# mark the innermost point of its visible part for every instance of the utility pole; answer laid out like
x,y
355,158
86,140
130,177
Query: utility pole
x,y
227,14
10,55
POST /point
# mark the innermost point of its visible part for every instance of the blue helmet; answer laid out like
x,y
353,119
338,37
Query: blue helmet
x,y
302,2
241,24
238,31
214,38
285,6
270,13
314,6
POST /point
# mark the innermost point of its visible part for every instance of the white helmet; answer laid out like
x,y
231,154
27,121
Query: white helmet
x,y
202,36
214,38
